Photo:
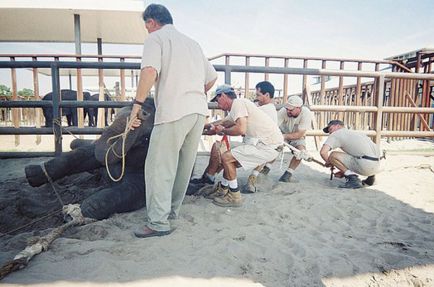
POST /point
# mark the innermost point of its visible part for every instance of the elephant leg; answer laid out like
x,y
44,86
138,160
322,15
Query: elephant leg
x,y
76,143
128,195
74,117
48,115
106,117
76,161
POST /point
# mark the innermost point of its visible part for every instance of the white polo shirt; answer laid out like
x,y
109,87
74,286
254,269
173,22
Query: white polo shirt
x,y
183,71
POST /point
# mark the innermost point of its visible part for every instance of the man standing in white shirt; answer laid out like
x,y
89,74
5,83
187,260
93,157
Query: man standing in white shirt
x,y
182,75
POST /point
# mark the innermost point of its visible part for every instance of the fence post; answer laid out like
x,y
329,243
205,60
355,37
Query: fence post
x,y
57,113
379,120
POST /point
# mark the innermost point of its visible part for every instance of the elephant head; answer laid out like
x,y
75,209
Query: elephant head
x,y
137,137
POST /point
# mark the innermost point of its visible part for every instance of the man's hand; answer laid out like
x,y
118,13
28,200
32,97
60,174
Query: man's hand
x,y
209,130
134,122
219,129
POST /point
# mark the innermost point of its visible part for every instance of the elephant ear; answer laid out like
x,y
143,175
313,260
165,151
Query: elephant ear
x,y
117,128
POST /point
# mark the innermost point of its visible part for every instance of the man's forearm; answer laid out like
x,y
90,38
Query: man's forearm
x,y
294,136
147,80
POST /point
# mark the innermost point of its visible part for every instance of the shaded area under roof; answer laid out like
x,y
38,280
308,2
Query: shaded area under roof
x,y
114,21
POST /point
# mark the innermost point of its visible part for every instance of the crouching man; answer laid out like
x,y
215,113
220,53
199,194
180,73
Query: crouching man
x,y
247,120
360,154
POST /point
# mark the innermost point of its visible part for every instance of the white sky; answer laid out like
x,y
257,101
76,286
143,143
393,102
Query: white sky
x,y
369,29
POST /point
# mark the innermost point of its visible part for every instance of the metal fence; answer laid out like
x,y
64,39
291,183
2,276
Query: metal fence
x,y
377,110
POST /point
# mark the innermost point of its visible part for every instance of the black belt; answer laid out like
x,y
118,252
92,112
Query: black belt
x,y
368,158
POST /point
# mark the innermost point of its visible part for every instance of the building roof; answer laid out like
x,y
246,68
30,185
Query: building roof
x,y
115,21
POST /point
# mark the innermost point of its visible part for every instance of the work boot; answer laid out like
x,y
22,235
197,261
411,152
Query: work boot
x,y
369,181
231,199
219,191
286,177
196,185
352,181
265,170
250,187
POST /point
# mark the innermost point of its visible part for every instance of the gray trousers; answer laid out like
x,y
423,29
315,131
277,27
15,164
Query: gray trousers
x,y
169,163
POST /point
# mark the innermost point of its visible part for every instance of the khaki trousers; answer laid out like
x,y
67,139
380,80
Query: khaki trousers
x,y
169,163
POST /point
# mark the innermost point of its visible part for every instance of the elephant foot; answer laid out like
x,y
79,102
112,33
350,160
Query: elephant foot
x,y
35,175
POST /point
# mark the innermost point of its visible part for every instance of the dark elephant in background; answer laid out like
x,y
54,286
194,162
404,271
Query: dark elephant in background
x,y
93,112
70,113
128,194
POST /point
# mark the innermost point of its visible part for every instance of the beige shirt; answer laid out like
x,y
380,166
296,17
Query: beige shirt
x,y
183,71
353,143
270,110
259,124
290,125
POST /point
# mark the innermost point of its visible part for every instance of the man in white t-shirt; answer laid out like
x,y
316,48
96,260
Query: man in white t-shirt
x,y
244,119
182,75
264,100
360,154
294,120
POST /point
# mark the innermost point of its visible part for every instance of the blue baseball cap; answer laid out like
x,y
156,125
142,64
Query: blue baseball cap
x,y
222,89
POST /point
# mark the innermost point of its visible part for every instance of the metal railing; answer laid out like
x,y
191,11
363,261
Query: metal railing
x,y
378,109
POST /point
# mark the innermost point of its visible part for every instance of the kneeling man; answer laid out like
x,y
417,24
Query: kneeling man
x,y
247,120
360,154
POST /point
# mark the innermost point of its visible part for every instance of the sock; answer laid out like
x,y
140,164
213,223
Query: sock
x,y
255,172
290,170
233,184
224,182
349,172
211,177
268,165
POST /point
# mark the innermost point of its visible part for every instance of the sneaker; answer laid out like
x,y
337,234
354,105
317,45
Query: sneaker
x,y
196,185
231,199
352,181
286,177
250,187
265,170
369,181
219,191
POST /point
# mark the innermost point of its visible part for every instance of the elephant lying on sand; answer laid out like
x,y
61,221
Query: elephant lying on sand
x,y
125,195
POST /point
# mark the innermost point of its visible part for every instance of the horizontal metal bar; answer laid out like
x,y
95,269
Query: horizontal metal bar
x,y
321,72
69,65
80,104
408,110
222,68
415,134
49,131
24,154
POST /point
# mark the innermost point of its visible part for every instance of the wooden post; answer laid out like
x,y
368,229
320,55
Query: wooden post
x,y
422,120
322,94
101,115
122,76
285,83
341,90
16,112
304,87
80,111
358,95
267,64
379,121
246,79
36,97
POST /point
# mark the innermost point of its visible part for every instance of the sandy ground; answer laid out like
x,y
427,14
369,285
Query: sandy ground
x,y
307,233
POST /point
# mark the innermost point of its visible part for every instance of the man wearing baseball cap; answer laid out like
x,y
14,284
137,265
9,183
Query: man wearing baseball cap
x,y
360,154
294,120
247,120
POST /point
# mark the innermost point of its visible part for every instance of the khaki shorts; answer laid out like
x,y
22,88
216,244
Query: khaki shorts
x,y
250,156
361,166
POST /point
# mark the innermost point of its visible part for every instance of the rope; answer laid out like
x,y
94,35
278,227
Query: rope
x,y
122,156
52,184
59,123
32,222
